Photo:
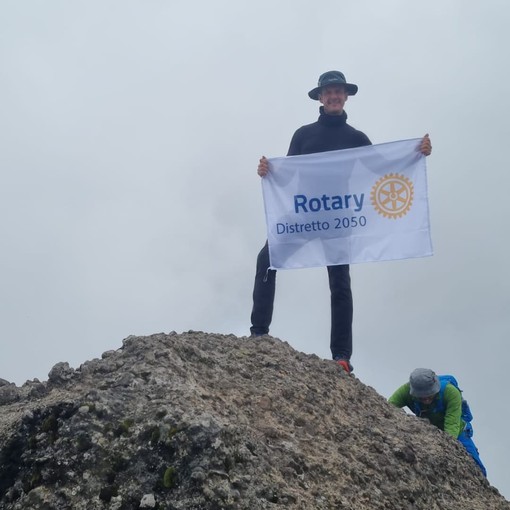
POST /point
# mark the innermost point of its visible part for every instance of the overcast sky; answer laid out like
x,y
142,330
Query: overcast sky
x,y
130,133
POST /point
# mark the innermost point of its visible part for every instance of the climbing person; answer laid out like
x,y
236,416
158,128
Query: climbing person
x,y
329,133
439,399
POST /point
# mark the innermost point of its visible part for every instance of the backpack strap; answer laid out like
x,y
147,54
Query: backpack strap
x,y
440,407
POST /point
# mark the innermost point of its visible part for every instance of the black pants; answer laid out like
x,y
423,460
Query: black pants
x,y
341,304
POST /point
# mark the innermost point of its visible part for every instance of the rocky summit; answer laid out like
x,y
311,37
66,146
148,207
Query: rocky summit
x,y
207,421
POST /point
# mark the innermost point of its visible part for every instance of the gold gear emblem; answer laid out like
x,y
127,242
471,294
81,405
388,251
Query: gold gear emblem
x,y
392,195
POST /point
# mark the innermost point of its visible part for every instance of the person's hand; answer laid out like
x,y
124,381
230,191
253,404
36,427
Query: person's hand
x,y
426,146
263,167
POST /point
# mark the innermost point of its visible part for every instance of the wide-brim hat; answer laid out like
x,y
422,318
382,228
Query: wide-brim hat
x,y
423,382
332,78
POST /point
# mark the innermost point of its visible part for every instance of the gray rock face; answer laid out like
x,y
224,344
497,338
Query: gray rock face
x,y
204,421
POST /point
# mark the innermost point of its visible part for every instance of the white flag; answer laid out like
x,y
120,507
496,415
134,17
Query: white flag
x,y
348,206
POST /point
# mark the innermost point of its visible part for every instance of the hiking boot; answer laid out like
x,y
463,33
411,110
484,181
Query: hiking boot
x,y
345,364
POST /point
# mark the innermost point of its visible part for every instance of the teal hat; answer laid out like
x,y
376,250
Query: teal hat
x,y
332,78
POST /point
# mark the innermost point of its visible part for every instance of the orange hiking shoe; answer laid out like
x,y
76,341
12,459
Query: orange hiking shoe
x,y
345,364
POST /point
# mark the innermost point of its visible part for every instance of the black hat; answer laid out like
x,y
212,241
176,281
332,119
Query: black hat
x,y
332,78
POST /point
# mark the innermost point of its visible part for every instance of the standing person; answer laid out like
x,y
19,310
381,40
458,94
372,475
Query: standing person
x,y
439,400
330,132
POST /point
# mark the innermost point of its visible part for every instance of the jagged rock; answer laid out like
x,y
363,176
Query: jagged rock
x,y
60,373
9,393
205,421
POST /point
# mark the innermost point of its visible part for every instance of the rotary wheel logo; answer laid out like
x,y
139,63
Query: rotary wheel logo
x,y
392,195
